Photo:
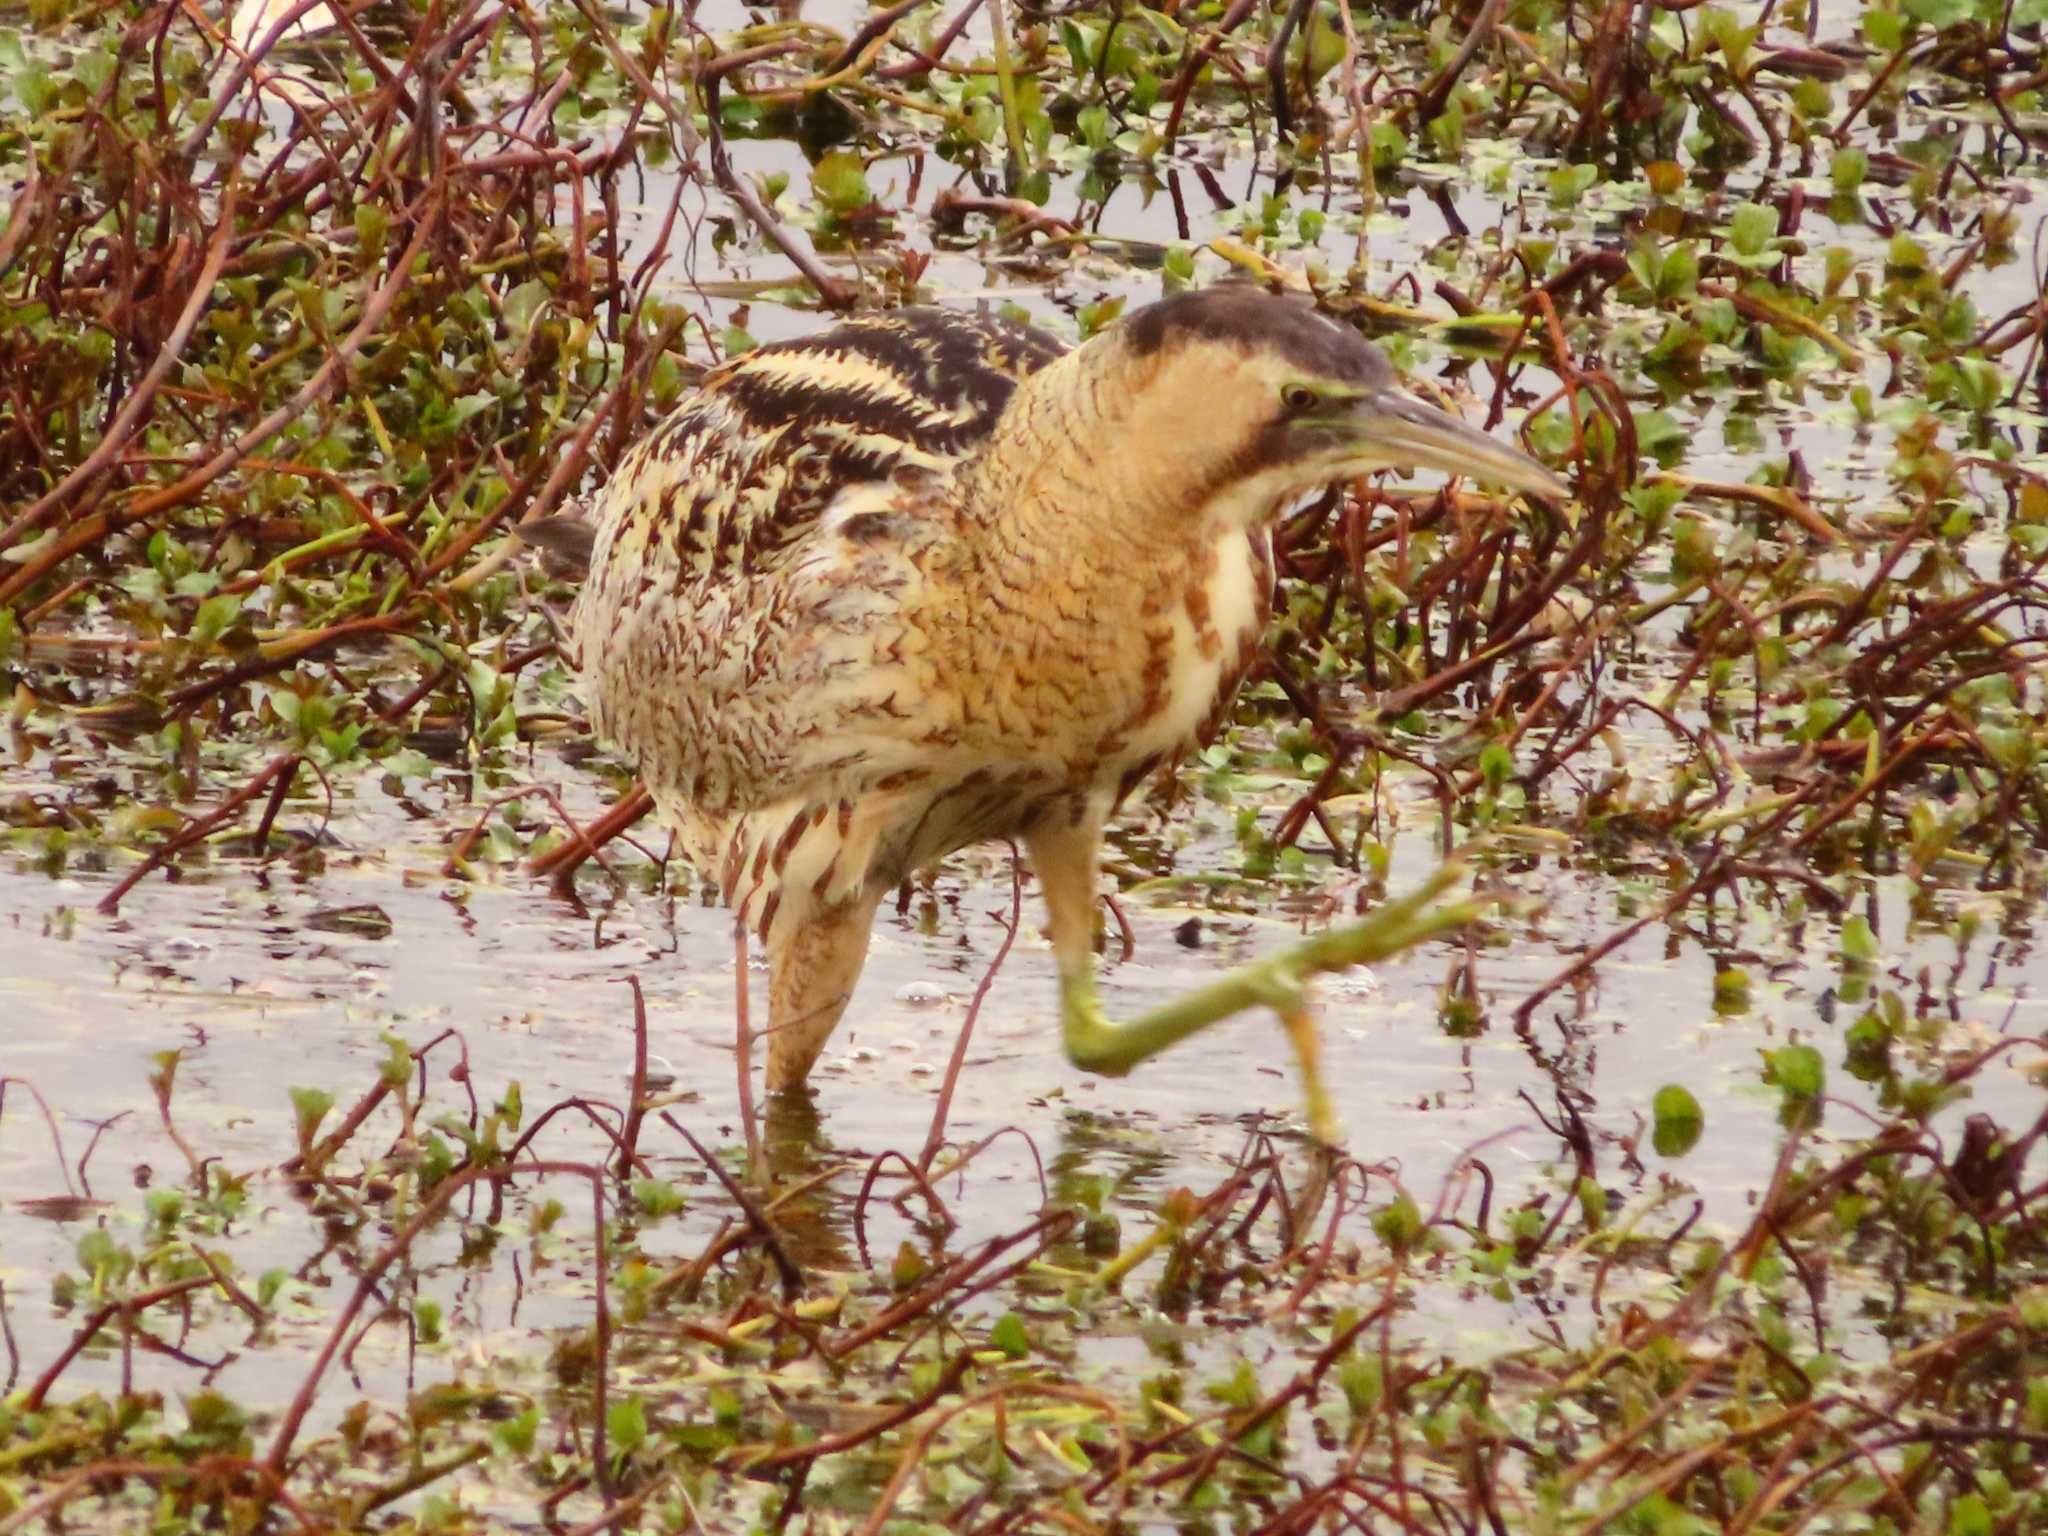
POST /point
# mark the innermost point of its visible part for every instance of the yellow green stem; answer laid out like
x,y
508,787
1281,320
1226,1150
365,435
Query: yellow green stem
x,y
1006,85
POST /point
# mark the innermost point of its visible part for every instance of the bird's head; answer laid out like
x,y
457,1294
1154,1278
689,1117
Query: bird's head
x,y
1253,398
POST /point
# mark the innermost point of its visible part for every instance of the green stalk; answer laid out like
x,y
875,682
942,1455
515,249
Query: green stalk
x,y
1006,84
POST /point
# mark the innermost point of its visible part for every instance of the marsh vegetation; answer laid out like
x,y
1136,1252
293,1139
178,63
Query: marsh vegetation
x,y
369,1147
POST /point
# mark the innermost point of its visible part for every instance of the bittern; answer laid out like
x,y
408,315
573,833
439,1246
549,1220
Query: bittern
x,y
928,578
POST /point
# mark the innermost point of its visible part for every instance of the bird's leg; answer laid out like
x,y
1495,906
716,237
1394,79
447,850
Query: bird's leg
x,y
1065,861
743,1048
813,963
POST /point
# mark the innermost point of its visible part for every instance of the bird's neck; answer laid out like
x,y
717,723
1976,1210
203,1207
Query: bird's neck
x,y
1096,451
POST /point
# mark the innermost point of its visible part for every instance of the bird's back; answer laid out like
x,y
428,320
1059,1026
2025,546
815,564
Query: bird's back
x,y
737,476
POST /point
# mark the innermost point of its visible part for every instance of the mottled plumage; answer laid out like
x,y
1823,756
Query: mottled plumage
x,y
927,578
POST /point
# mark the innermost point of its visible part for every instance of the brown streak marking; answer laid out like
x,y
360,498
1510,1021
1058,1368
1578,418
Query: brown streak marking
x,y
1136,774
791,835
735,857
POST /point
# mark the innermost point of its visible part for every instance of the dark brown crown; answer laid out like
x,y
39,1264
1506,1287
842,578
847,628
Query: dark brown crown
x,y
1247,316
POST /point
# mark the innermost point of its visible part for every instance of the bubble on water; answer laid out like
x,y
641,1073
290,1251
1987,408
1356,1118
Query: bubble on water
x,y
921,994
1357,982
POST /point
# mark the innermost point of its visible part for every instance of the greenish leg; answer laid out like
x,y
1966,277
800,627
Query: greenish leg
x,y
1065,863
1308,1048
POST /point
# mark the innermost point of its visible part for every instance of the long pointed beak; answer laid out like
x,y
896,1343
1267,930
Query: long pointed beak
x,y
1395,427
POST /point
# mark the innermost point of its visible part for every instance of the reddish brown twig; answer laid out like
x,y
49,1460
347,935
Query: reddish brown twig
x,y
284,764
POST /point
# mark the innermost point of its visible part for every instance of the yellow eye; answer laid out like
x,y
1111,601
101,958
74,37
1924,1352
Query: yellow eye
x,y
1299,399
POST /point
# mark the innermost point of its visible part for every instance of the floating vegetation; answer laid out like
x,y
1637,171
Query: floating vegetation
x,y
1700,1382
304,308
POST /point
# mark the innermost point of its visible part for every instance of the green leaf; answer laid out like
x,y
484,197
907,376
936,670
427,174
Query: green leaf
x,y
94,68
1970,1516
625,1425
523,306
1094,317
1939,14
1568,183
1884,29
1240,1390
1677,1121
1797,1070
1390,144
1496,762
215,616
657,1198
469,406
1731,990
309,1108
1009,1336
516,1436
33,89
1399,1224
1592,1203
165,1206
1081,44
1751,228
1094,126
911,1266
1361,1381
2037,1402
1323,43
840,181
1866,1049
1661,435
437,1159
373,229
396,1067
1859,944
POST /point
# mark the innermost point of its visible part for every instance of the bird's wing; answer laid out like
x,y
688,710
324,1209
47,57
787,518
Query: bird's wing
x,y
745,626
746,467
783,717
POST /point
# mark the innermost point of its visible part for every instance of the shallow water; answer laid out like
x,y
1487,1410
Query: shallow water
x,y
267,978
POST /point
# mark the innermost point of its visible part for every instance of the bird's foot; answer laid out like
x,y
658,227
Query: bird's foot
x,y
1096,1045
1093,1043
1279,982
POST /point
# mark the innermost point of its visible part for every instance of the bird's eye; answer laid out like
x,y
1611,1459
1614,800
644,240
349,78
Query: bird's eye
x,y
1299,399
